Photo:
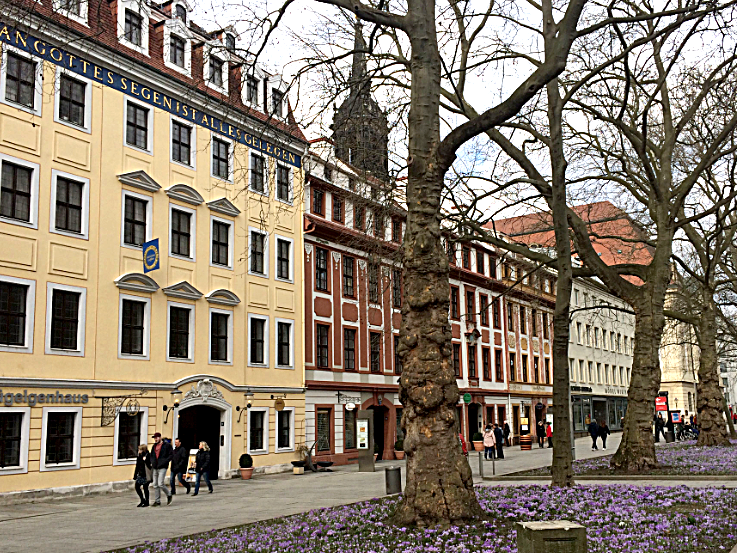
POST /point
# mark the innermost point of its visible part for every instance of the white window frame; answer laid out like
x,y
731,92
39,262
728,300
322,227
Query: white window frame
x,y
87,99
77,446
265,449
146,327
30,312
25,431
218,50
177,27
290,322
292,417
290,179
191,341
276,82
149,124
141,8
259,105
278,237
33,212
266,173
149,211
192,232
81,317
231,238
267,344
265,274
192,139
84,235
81,18
121,412
229,313
37,89
231,159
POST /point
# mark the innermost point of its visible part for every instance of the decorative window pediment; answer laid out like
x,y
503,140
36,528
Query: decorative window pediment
x,y
224,206
223,297
137,282
140,179
183,290
185,193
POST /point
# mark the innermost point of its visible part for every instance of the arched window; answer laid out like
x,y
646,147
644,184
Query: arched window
x,y
181,13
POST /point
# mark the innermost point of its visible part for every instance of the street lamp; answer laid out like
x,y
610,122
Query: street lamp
x,y
176,397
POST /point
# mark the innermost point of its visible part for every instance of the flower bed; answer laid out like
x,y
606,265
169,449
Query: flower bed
x,y
622,519
676,459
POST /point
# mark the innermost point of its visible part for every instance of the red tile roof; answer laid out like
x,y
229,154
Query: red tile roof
x,y
614,235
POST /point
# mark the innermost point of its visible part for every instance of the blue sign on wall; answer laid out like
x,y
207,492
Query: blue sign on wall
x,y
151,255
97,73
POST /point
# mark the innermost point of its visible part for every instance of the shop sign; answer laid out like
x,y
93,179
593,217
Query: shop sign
x,y
615,391
34,398
661,403
467,398
97,73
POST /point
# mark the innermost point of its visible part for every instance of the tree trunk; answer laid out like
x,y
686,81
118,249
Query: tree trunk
x,y
636,452
439,489
709,398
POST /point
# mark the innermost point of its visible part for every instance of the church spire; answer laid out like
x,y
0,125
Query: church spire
x,y
358,78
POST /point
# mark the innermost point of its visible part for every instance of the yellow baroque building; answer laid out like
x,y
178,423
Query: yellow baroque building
x,y
121,123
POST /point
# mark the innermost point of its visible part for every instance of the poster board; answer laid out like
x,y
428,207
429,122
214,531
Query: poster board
x,y
363,433
190,476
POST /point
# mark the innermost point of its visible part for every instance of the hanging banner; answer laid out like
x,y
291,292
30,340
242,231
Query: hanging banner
x,y
97,73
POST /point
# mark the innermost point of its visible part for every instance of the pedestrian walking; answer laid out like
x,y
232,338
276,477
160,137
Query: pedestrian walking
x,y
603,432
659,427
489,442
202,467
161,454
540,434
593,432
499,439
507,433
549,434
142,475
178,467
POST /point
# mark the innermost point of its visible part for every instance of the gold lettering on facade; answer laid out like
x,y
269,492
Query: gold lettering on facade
x,y
35,47
84,66
157,98
18,37
53,57
123,83
145,93
98,73
167,103
134,86
5,32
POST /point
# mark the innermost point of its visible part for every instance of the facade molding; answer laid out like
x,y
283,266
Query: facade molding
x,y
223,297
182,290
224,206
140,179
185,193
137,282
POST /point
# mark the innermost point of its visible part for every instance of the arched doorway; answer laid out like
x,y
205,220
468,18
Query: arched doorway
x,y
474,424
201,423
381,414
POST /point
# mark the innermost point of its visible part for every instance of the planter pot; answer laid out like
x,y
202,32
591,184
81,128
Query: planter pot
x,y
399,455
246,473
478,446
376,456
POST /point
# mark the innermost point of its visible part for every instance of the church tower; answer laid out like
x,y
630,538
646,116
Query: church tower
x,y
360,127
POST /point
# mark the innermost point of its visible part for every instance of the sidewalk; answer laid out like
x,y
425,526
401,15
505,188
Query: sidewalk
x,y
112,521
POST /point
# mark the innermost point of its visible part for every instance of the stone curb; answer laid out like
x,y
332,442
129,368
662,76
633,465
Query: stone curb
x,y
623,478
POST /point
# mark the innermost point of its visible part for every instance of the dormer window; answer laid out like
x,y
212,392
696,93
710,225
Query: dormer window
x,y
216,71
277,99
72,9
176,50
71,6
252,90
230,42
133,27
180,12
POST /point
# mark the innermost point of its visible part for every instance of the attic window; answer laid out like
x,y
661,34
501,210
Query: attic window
x,y
180,12
230,42
277,99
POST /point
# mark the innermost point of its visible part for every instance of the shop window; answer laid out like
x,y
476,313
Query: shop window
x,y
349,429
324,429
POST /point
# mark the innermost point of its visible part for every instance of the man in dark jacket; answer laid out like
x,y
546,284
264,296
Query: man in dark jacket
x,y
540,433
499,437
161,454
179,466
593,431
507,433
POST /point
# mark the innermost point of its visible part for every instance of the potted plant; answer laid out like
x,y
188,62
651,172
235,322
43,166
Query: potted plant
x,y
399,449
478,441
246,466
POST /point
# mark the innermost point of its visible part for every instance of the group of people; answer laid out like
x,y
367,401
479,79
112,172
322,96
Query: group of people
x,y
687,422
494,439
544,430
151,467
598,430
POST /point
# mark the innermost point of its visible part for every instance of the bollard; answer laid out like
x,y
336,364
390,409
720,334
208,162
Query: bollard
x,y
393,477
481,465
493,464
670,437
561,536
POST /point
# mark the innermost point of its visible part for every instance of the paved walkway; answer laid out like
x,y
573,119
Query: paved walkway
x,y
112,521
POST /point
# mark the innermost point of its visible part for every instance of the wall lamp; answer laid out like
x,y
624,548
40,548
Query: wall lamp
x,y
249,398
176,396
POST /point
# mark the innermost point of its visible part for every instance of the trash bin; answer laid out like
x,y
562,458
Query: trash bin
x,y
393,477
670,436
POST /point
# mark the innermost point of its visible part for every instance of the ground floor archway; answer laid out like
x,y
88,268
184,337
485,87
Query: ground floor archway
x,y
201,423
